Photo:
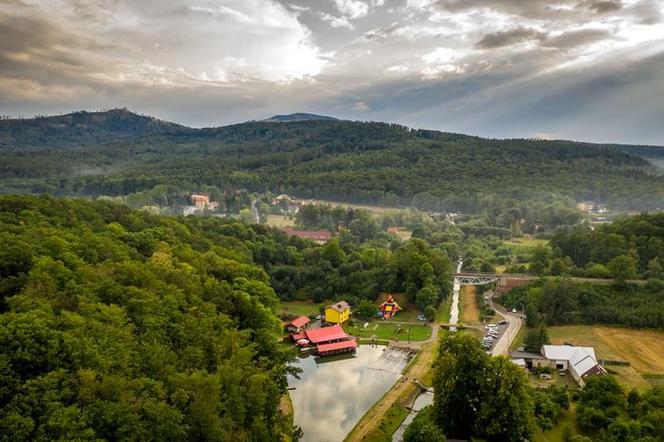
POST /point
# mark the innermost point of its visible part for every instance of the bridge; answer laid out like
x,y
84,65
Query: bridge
x,y
479,278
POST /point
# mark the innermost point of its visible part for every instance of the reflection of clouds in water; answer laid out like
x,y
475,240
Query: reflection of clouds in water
x,y
330,398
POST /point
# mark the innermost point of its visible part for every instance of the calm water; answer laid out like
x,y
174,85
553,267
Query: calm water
x,y
330,398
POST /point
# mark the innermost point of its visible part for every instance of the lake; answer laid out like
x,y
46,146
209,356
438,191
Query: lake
x,y
331,397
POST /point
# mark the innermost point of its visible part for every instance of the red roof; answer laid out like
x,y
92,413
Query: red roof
x,y
299,322
324,348
298,336
319,235
326,334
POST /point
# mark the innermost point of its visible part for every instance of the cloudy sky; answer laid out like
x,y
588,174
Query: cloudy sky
x,y
579,69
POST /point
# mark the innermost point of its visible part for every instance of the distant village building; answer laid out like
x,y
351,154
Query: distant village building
x,y
581,362
317,236
337,313
200,203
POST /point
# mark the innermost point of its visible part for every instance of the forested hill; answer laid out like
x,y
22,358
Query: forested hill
x,y
80,128
363,162
120,325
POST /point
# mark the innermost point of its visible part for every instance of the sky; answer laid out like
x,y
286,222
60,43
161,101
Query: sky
x,y
576,69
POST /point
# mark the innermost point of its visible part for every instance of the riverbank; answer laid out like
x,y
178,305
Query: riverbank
x,y
387,414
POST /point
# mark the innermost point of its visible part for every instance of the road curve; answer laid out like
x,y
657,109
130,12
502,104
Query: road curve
x,y
503,344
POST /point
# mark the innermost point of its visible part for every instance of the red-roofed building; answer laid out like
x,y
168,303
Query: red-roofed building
x,y
297,324
318,236
326,334
336,347
297,336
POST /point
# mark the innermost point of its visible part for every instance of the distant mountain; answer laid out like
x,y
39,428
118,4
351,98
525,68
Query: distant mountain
x,y
81,128
299,116
121,153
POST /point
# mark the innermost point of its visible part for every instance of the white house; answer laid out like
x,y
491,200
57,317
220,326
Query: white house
x,y
581,362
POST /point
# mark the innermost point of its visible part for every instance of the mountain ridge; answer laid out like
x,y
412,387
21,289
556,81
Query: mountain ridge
x,y
298,116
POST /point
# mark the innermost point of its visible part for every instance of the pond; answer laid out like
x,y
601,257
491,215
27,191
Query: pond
x,y
331,397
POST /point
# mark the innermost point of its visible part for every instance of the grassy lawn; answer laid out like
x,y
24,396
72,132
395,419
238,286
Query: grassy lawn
x,y
388,424
404,234
443,314
525,245
409,310
300,308
557,380
518,341
279,221
644,349
392,331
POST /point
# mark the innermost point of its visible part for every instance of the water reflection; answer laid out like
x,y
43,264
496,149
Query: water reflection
x,y
330,398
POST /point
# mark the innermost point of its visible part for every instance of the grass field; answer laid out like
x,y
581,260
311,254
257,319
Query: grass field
x,y
279,221
392,331
525,245
300,308
644,349
443,314
388,424
469,310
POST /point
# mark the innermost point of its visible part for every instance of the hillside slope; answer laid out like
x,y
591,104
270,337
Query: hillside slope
x,y
342,160
80,128
120,325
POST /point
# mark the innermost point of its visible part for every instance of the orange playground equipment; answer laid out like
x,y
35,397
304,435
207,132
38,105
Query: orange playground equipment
x,y
389,308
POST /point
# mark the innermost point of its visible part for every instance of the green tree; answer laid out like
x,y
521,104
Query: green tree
x,y
535,338
623,268
365,309
422,429
479,396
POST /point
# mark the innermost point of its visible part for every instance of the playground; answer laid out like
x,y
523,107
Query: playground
x,y
389,308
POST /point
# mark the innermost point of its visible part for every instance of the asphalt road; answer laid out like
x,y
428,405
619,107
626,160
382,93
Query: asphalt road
x,y
502,346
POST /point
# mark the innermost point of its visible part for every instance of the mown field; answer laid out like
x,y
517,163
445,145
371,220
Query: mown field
x,y
280,221
469,310
392,331
643,349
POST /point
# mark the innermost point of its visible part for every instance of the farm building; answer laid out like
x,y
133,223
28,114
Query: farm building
x,y
581,362
337,313
297,324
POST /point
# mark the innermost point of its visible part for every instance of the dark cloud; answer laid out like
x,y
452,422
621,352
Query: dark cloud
x,y
603,6
573,39
510,37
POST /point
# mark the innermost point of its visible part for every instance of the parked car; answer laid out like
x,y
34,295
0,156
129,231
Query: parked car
x,y
504,322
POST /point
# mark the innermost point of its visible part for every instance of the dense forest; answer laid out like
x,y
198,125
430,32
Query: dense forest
x,y
628,248
119,325
340,160
561,301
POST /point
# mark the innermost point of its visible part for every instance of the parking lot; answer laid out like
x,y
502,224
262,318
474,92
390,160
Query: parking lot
x,y
492,334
